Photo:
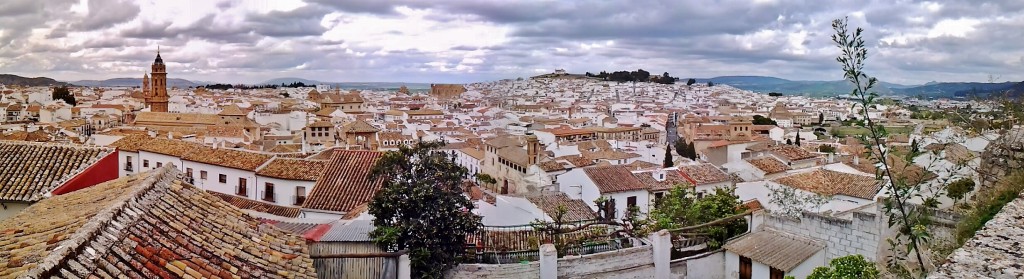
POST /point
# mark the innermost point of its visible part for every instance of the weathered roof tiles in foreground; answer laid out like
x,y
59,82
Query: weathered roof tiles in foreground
x,y
30,170
344,183
150,225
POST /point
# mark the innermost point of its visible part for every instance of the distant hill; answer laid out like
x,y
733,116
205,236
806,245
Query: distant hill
x,y
290,80
133,82
7,79
933,89
765,84
962,89
351,85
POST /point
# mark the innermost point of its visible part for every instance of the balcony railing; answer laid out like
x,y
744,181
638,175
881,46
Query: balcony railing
x,y
128,168
298,200
269,197
241,190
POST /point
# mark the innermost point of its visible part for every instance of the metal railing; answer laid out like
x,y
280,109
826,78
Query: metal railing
x,y
271,197
509,244
693,240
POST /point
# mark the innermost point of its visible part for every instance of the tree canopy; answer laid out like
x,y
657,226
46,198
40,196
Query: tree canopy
x,y
62,93
761,120
852,266
421,207
681,208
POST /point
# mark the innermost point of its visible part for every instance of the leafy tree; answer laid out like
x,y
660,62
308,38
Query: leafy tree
x,y
640,75
915,147
421,207
668,157
62,93
848,267
959,189
797,142
691,82
285,94
825,148
710,84
821,118
789,142
485,178
664,79
761,120
680,208
774,94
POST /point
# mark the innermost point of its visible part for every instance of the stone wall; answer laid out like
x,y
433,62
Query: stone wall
x,y
1001,157
446,91
474,271
637,262
859,235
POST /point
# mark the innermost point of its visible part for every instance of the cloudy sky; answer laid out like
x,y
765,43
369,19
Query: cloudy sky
x,y
910,42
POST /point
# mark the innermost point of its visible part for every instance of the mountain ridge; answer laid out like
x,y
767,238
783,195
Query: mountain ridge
x,y
9,79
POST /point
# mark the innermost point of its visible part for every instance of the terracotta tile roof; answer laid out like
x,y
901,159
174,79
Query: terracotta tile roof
x,y
150,225
575,210
344,183
609,155
230,158
231,110
611,179
768,165
577,160
286,148
169,147
792,152
640,165
359,126
294,169
501,142
672,178
780,250
244,203
828,182
473,152
704,174
753,204
550,166
30,170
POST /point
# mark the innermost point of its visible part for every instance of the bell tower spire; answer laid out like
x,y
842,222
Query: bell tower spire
x,y
158,84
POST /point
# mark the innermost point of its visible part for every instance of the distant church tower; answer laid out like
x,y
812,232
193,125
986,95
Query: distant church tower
x,y
145,88
157,101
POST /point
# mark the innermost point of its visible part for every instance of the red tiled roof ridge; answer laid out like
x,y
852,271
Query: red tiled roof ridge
x,y
344,184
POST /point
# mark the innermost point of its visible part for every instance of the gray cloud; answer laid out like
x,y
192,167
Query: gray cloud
x,y
785,38
106,13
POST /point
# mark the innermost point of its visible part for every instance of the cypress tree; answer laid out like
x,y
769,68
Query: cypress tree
x,y
668,157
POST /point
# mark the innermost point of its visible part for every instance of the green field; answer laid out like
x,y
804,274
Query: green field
x,y
858,131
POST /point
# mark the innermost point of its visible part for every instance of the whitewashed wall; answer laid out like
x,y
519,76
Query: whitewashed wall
x,y
213,183
284,189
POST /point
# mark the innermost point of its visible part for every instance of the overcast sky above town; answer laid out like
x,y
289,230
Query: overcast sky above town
x,y
910,42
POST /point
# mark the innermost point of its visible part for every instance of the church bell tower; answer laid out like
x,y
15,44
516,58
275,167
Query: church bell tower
x,y
158,93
